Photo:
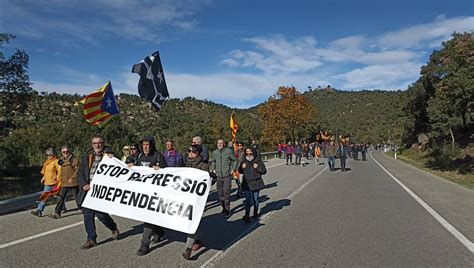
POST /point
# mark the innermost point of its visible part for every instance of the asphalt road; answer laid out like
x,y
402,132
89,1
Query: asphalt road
x,y
310,217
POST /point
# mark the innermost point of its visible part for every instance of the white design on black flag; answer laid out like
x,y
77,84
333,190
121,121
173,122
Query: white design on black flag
x,y
152,84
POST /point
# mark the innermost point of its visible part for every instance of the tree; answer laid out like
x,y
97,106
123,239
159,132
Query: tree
x,y
450,71
285,115
15,86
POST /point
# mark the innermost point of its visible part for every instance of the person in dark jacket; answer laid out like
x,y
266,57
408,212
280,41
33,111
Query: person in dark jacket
x,y
85,174
195,160
150,157
134,153
298,153
342,153
253,168
205,152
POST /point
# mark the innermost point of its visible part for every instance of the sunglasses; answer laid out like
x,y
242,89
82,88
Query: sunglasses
x,y
191,151
65,152
248,154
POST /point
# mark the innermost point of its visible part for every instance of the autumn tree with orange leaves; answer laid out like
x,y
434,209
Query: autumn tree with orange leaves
x,y
285,115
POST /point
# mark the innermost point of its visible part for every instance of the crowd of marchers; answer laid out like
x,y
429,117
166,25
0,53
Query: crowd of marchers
x,y
239,163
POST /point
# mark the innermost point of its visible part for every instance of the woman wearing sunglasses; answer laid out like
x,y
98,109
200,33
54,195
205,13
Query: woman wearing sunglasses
x,y
253,168
195,160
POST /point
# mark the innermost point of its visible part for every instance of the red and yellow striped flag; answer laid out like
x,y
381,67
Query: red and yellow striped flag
x,y
100,106
233,127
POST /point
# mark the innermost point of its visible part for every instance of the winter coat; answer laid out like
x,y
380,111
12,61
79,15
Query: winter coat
x,y
68,171
331,150
83,173
197,162
223,162
50,171
298,149
253,176
173,158
289,149
154,158
342,152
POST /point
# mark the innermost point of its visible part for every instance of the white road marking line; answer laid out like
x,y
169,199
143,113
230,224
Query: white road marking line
x,y
61,229
221,253
458,235
40,235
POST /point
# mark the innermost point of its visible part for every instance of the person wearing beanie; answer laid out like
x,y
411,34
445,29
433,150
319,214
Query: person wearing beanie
x,y
50,172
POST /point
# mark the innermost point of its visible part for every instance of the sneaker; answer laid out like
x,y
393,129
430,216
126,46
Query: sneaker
x,y
54,215
246,218
186,254
36,213
223,212
196,245
89,244
143,250
115,234
227,214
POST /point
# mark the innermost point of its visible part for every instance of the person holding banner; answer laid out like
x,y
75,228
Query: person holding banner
x,y
195,160
149,157
87,169
224,164
253,168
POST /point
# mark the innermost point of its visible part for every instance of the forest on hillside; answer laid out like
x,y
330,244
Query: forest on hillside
x,y
439,105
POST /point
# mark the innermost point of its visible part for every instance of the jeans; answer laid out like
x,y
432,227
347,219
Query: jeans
x,y
343,163
289,157
251,198
62,198
332,162
297,159
223,186
41,204
89,222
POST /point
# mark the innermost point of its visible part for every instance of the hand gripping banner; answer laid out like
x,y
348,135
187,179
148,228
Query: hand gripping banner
x,y
173,198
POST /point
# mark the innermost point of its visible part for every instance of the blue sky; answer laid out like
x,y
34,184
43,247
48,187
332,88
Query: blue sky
x,y
232,52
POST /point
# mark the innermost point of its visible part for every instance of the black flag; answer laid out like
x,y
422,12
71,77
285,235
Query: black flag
x,y
152,85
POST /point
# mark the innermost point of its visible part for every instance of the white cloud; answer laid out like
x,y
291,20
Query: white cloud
x,y
415,36
142,20
387,77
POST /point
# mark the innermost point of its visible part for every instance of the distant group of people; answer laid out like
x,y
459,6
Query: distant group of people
x,y
316,150
241,164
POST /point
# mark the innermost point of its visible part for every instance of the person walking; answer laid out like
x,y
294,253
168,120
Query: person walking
x,y
317,152
150,157
69,165
298,153
224,164
331,152
289,153
195,160
342,153
253,168
363,150
50,172
85,174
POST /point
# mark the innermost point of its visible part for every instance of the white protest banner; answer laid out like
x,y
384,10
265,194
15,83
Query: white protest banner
x,y
173,198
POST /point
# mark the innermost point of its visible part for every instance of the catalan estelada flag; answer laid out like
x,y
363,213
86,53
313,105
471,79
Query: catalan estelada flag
x,y
100,106
233,127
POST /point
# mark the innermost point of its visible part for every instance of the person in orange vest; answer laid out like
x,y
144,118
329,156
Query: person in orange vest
x,y
317,152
